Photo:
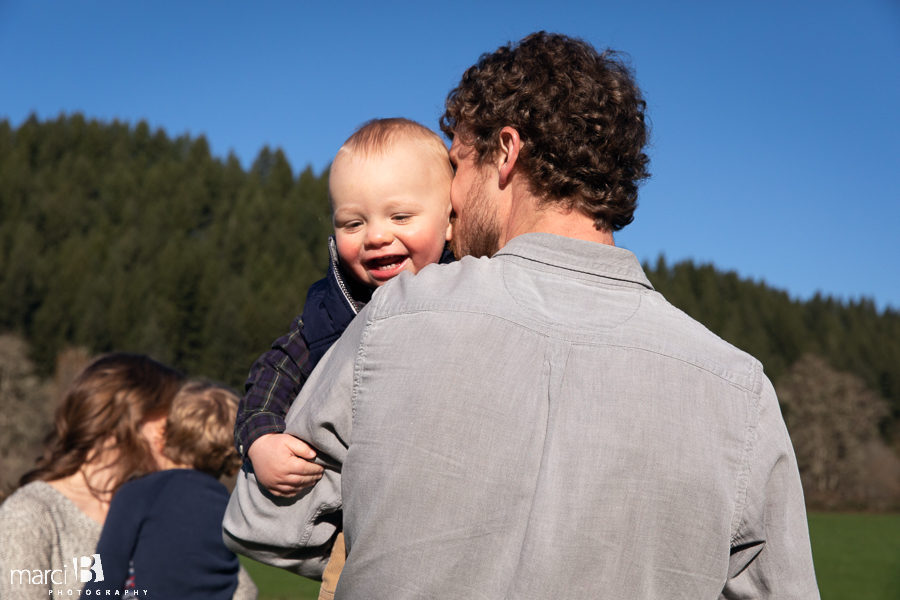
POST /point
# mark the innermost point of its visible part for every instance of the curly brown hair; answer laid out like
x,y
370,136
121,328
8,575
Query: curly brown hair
x,y
200,429
579,114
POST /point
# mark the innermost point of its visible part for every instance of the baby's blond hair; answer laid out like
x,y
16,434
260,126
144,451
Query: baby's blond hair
x,y
200,428
377,136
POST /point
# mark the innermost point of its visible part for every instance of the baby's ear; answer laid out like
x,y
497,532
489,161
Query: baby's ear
x,y
449,235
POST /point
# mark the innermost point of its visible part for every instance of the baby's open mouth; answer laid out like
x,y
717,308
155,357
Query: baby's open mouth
x,y
385,263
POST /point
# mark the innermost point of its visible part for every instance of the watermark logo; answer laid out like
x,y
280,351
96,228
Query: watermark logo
x,y
91,568
70,579
85,569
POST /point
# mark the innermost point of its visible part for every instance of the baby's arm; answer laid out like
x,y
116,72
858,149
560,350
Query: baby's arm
x,y
280,461
274,381
298,535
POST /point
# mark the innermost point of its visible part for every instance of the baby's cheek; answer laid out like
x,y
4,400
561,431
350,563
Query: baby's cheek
x,y
347,249
433,256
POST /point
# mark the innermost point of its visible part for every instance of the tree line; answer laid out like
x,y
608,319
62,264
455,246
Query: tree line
x,y
118,237
114,236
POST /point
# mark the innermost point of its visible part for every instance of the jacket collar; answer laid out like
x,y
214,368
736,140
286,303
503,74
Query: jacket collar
x,y
354,295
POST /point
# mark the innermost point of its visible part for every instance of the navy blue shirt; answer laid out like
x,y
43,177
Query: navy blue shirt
x,y
169,524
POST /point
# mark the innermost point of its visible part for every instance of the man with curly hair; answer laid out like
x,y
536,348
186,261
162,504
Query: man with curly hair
x,y
535,421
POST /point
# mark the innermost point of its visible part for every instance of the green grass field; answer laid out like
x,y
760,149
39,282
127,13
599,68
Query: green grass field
x,y
857,558
278,584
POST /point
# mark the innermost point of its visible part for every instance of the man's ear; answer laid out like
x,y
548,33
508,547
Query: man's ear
x,y
510,144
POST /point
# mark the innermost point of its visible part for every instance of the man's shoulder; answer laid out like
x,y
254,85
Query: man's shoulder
x,y
437,286
680,336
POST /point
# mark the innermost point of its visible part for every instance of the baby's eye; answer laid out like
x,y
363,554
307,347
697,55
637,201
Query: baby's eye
x,y
401,218
351,225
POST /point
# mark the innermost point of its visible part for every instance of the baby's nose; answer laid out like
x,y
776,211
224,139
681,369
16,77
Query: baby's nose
x,y
377,233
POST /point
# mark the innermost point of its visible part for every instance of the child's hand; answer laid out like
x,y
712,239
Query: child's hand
x,y
282,464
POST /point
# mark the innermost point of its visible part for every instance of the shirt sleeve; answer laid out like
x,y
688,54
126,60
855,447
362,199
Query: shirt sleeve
x,y
771,555
274,381
297,533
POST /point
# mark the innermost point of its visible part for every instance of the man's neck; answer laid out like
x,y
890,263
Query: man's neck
x,y
528,216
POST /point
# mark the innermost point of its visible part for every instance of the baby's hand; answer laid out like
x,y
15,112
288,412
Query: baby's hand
x,y
282,464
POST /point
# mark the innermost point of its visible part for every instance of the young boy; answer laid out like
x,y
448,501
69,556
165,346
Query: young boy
x,y
390,196
163,533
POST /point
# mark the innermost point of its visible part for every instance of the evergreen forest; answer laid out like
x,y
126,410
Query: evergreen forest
x,y
114,236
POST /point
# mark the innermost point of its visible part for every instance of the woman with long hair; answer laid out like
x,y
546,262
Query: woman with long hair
x,y
104,435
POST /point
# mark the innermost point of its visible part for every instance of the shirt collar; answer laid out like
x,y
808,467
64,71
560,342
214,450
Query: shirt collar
x,y
582,256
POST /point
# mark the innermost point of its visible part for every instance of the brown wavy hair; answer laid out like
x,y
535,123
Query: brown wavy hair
x,y
200,429
104,408
579,114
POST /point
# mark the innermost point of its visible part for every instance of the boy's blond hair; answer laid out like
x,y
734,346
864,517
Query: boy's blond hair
x,y
377,137
200,427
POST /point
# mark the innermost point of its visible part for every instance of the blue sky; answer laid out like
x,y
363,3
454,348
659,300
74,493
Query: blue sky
x,y
776,125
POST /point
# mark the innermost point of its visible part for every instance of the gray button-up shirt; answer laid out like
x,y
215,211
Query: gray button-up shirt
x,y
541,424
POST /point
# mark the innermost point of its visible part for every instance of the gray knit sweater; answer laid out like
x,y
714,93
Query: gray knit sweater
x,y
41,534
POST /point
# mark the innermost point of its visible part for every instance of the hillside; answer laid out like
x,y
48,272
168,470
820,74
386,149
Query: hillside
x,y
116,237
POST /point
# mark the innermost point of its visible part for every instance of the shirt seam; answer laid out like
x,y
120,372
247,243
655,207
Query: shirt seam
x,y
736,384
743,479
512,296
361,352
548,366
